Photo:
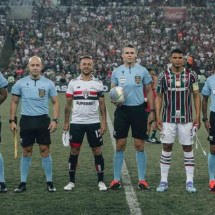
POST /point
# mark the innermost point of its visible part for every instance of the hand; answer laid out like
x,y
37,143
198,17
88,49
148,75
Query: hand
x,y
103,128
159,124
207,125
52,127
13,127
151,117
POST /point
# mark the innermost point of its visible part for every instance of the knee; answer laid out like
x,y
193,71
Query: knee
x,y
167,147
75,150
26,153
139,147
187,148
44,153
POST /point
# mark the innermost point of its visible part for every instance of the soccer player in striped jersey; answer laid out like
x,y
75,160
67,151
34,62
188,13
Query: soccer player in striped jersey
x,y
176,86
86,95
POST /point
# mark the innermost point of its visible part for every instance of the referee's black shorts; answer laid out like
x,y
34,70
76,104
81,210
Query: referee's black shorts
x,y
134,116
211,137
34,129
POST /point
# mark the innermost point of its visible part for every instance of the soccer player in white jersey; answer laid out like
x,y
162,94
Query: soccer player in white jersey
x,y
176,86
86,94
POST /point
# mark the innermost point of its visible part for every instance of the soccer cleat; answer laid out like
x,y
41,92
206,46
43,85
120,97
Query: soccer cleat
x,y
21,188
3,187
154,140
190,187
143,185
50,187
102,186
69,186
115,185
212,185
163,186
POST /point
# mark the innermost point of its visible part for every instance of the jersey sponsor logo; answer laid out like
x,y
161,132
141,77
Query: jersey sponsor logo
x,y
42,92
85,103
137,79
177,89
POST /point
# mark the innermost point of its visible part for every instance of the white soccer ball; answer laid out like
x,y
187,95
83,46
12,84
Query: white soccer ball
x,y
117,95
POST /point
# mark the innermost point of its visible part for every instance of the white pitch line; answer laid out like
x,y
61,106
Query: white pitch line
x,y
131,198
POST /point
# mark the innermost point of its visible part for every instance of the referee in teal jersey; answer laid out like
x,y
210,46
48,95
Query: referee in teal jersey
x,y
35,124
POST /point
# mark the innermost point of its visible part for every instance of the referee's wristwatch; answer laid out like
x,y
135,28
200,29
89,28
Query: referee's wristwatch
x,y
11,120
56,120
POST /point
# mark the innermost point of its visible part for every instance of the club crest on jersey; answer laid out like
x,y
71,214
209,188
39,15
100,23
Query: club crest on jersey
x,y
137,79
85,94
42,92
177,83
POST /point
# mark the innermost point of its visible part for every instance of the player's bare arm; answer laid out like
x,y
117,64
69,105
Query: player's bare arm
x,y
3,95
67,111
102,108
197,105
204,112
56,112
148,90
13,109
158,106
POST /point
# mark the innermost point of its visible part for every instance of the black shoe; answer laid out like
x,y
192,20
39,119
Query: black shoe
x,y
50,187
3,187
21,188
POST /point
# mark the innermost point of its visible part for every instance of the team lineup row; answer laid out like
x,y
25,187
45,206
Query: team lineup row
x,y
175,87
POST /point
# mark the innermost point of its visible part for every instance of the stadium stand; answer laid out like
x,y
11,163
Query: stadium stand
x,y
60,35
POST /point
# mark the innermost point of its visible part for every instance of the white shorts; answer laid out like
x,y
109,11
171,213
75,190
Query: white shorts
x,y
182,130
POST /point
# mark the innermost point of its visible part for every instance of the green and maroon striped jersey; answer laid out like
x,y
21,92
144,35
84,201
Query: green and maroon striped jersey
x,y
177,91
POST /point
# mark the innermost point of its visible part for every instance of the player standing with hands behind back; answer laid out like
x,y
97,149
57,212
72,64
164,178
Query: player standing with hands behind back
x,y
133,78
35,126
176,85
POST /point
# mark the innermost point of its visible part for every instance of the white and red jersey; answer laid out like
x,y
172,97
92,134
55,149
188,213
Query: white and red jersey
x,y
85,95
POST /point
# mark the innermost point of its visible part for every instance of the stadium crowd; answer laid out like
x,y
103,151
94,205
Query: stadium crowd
x,y
60,35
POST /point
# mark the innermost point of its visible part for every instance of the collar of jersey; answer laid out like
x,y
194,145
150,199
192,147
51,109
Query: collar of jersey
x,y
91,78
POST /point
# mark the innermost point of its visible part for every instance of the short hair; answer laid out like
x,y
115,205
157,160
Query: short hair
x,y
30,59
129,46
86,57
178,51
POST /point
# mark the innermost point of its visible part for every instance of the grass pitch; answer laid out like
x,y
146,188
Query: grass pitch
x,y
86,198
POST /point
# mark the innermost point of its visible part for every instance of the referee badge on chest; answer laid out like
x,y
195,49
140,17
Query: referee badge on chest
x,y
137,79
42,93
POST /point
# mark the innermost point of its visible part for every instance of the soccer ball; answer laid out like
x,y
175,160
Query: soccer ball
x,y
117,95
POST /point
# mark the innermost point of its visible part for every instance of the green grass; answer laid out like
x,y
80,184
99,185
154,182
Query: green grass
x,y
86,199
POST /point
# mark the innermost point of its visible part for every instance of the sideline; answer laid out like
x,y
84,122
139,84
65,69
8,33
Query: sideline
x,y
131,198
